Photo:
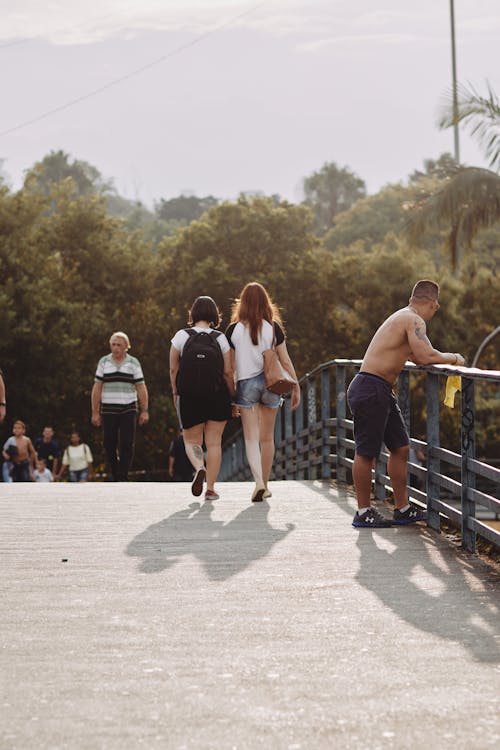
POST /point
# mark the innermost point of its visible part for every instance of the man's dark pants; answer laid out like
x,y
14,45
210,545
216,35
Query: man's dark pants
x,y
376,414
119,442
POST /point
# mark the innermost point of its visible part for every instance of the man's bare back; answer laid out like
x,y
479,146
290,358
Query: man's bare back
x,y
389,348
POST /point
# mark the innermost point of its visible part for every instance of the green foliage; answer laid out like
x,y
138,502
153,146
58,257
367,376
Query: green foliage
x,y
185,208
466,203
72,271
56,167
371,219
69,277
442,168
329,192
235,243
480,113
470,200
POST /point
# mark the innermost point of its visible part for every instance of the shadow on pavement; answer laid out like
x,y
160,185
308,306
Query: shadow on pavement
x,y
224,549
427,583
437,592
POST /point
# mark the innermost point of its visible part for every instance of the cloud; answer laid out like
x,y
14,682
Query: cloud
x,y
85,22
315,24
78,22
353,39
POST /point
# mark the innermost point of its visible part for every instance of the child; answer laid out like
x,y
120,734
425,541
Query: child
x,y
19,450
42,473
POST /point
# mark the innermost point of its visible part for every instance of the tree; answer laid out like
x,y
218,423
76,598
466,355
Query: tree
x,y
443,167
4,176
248,240
56,166
482,116
374,217
185,208
70,274
470,200
331,191
371,218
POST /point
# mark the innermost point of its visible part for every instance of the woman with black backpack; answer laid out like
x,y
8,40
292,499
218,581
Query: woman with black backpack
x,y
202,385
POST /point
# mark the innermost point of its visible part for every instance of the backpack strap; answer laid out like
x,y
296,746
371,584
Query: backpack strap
x,y
211,332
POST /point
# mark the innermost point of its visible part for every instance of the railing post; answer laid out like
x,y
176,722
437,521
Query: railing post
x,y
378,481
341,414
468,443
299,441
240,458
278,432
404,397
311,420
433,463
404,404
326,471
289,468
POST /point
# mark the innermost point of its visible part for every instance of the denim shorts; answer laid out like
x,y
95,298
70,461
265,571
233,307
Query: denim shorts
x,y
252,391
79,475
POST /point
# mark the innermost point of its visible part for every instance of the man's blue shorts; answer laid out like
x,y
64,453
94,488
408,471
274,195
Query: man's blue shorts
x,y
376,414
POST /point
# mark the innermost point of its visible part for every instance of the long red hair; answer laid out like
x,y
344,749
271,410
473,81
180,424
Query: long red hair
x,y
252,307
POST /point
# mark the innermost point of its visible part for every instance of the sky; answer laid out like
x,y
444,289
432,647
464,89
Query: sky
x,y
216,97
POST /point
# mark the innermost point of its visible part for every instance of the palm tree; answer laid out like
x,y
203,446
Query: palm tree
x,y
482,116
467,202
470,200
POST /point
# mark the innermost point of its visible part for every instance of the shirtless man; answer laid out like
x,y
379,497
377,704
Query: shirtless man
x,y
376,414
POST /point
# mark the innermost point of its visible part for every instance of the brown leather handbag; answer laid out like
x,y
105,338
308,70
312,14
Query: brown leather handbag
x,y
278,380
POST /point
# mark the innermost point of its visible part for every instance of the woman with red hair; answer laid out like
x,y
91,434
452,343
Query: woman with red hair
x,y
256,326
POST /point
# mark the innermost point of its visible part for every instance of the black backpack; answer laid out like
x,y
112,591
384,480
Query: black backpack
x,y
201,367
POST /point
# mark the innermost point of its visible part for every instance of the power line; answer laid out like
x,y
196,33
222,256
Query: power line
x,y
135,72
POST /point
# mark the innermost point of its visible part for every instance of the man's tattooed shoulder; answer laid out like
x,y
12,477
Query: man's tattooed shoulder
x,y
420,330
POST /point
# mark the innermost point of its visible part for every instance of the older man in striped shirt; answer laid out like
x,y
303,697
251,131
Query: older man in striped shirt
x,y
119,391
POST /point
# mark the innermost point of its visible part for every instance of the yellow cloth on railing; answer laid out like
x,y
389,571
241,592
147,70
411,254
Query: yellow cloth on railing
x,y
453,384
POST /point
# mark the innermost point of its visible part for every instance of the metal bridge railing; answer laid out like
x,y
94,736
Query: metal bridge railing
x,y
316,442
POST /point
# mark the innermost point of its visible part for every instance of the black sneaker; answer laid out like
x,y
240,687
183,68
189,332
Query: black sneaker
x,y
412,515
372,519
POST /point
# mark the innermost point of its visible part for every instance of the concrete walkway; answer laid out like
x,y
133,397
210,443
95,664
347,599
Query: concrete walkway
x,y
133,616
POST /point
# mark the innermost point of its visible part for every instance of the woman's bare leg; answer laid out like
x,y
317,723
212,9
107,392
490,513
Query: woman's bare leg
x,y
267,420
193,442
213,442
250,424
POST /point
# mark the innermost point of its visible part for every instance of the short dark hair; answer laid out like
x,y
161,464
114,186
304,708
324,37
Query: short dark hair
x,y
204,308
425,288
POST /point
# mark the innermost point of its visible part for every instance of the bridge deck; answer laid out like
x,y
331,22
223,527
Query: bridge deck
x,y
178,624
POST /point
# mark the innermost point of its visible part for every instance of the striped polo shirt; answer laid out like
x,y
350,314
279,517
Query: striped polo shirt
x,y
119,380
